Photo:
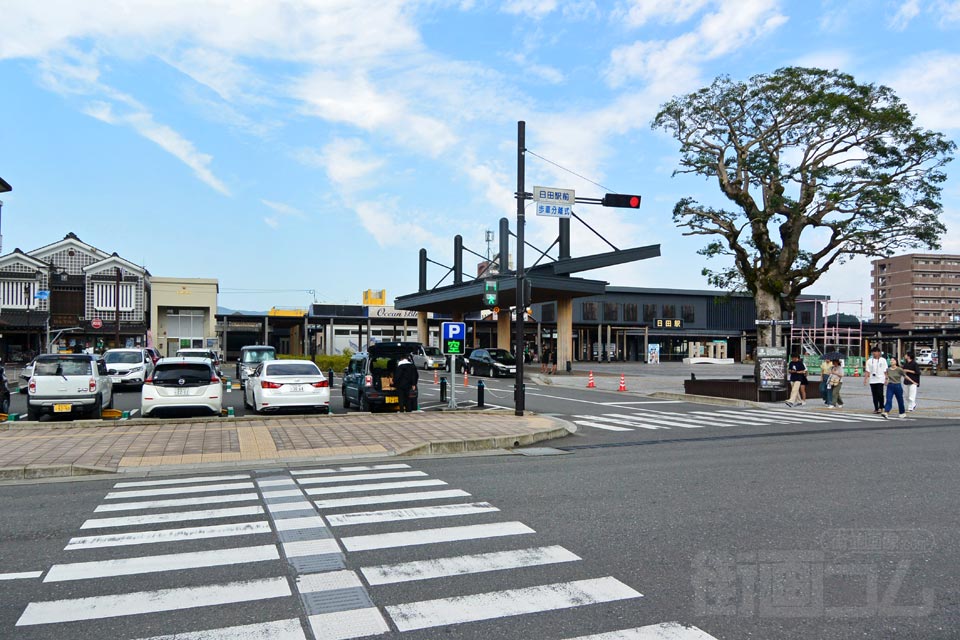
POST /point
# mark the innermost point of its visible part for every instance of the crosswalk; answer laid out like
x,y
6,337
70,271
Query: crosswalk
x,y
319,553
640,419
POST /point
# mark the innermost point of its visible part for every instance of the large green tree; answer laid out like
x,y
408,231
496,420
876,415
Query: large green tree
x,y
818,168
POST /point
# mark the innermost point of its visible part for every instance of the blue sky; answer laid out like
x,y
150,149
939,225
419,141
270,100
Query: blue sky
x,y
318,145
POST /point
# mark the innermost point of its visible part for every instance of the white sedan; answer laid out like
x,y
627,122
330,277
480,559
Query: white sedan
x,y
287,384
182,383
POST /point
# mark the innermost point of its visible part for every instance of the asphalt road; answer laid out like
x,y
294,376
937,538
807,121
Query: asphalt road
x,y
829,535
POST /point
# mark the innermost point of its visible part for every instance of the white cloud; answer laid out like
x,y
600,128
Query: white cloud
x,y
906,12
347,162
637,13
949,12
532,8
280,211
929,84
665,64
390,228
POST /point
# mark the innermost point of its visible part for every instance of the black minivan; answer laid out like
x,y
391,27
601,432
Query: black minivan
x,y
368,379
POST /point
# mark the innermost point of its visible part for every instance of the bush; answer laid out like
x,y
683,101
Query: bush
x,y
337,363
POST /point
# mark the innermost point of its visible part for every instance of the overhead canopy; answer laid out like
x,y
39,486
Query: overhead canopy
x,y
550,281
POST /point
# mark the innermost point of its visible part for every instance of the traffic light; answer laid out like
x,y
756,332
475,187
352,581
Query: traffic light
x,y
489,294
621,200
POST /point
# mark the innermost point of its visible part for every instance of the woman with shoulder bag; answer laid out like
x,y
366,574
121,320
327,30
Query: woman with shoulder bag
x,y
835,382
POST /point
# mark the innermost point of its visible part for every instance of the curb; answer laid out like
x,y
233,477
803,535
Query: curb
x,y
483,444
36,471
695,399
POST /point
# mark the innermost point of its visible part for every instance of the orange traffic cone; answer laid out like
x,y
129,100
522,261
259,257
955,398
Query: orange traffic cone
x,y
623,383
590,383
436,378
466,381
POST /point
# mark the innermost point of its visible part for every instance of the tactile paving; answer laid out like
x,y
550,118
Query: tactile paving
x,y
319,602
318,563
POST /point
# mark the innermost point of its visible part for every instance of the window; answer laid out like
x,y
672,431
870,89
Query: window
x,y
17,294
669,311
805,318
611,312
292,369
629,312
687,313
103,299
589,310
649,312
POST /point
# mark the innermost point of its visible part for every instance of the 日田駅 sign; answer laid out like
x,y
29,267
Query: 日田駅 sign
x,y
554,202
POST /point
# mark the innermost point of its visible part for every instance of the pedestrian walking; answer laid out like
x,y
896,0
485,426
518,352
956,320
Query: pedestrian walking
x,y
826,394
836,382
798,381
405,379
876,377
545,360
894,377
553,362
911,380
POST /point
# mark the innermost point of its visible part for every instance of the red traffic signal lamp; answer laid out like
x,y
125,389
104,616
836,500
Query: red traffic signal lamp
x,y
621,200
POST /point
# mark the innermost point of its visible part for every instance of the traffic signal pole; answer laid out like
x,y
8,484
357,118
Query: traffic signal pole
x,y
519,391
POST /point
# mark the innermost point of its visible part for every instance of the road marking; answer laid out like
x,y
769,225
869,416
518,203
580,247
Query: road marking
x,y
22,575
146,493
614,404
413,513
304,472
600,425
662,631
276,630
433,536
388,498
176,502
160,483
362,476
282,493
134,412
302,548
128,604
177,516
498,604
293,524
823,415
328,581
343,625
784,418
690,416
165,562
641,419
283,482
462,565
354,488
168,535
302,505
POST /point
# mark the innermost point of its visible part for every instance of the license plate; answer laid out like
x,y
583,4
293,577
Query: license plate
x,y
182,392
115,379
62,408
296,388
391,400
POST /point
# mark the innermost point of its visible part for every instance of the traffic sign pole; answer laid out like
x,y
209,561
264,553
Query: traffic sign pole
x,y
453,339
518,390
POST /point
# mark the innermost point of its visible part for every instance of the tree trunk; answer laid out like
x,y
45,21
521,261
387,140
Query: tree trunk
x,y
768,308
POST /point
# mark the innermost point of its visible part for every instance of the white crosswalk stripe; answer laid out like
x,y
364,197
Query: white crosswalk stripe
x,y
176,502
662,631
174,481
373,486
289,629
510,602
388,498
168,535
653,419
178,516
361,476
415,513
434,536
174,491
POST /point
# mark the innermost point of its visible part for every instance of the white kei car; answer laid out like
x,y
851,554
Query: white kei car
x,y
287,384
182,383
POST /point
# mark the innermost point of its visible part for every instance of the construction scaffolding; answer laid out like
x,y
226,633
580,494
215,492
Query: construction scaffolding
x,y
825,337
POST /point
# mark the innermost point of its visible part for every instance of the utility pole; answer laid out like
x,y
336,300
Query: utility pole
x,y
519,391
116,300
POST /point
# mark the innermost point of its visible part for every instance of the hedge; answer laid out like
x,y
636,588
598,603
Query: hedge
x,y
337,363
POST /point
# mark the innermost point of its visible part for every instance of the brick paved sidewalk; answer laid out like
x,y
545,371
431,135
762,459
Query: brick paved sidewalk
x,y
38,449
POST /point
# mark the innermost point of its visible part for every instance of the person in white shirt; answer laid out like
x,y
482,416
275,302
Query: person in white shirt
x,y
876,370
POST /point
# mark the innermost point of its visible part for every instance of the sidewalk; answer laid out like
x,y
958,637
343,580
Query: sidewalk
x,y
939,396
34,450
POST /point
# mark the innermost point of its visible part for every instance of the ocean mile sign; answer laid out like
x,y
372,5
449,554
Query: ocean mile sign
x,y
554,202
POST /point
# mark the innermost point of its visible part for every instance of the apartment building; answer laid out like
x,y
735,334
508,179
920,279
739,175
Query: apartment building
x,y
917,290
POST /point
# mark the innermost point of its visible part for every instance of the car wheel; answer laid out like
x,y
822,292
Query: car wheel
x,y
5,405
245,403
365,405
346,400
473,370
110,404
96,412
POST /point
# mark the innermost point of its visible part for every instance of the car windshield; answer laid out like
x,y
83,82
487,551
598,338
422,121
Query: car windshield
x,y
502,356
433,352
259,355
195,353
63,367
190,373
123,357
292,369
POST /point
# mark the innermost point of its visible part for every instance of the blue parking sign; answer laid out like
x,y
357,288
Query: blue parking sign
x,y
453,338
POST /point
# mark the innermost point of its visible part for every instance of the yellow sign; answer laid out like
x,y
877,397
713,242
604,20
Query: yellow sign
x,y
375,297
287,313
669,324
